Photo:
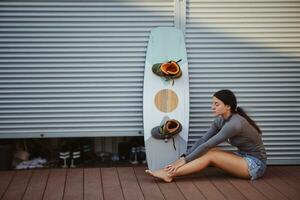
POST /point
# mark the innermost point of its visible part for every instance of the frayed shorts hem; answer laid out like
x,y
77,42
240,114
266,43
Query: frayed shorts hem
x,y
256,167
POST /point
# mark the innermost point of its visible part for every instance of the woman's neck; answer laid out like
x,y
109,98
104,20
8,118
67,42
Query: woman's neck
x,y
226,115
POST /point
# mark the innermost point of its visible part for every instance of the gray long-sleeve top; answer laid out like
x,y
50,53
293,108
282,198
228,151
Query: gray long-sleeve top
x,y
237,131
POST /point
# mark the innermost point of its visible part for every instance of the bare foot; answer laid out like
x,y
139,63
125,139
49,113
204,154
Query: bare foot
x,y
161,174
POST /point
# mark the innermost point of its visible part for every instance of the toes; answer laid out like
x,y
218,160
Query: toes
x,y
149,172
160,175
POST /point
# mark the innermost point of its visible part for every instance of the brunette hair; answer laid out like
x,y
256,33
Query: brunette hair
x,y
228,98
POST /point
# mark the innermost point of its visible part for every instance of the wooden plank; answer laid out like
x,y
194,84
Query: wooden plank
x,y
281,186
188,189
92,184
207,188
18,185
286,177
170,190
280,182
220,181
269,191
74,185
111,184
5,179
129,183
55,185
290,171
245,187
148,185
37,185
270,185
294,170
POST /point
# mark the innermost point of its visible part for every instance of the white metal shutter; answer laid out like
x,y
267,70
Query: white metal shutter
x,y
75,68
252,48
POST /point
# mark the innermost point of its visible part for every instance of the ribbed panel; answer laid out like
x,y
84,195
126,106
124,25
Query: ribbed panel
x,y
252,48
75,68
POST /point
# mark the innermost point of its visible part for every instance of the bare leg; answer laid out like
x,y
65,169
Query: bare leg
x,y
226,161
178,163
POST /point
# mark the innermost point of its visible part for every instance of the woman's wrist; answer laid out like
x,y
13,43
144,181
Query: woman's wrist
x,y
182,161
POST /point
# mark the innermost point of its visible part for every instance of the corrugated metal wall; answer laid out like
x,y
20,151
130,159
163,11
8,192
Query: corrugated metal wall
x,y
253,48
75,68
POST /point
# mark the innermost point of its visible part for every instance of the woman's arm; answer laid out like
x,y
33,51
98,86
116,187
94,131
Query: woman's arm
x,y
210,132
228,130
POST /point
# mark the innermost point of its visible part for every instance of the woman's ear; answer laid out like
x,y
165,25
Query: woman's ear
x,y
228,107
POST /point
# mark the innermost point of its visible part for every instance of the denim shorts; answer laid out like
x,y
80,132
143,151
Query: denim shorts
x,y
256,167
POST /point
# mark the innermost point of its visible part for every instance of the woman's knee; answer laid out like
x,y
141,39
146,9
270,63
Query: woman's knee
x,y
214,154
210,155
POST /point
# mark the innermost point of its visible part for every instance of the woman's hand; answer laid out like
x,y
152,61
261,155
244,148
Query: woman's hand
x,y
168,167
172,168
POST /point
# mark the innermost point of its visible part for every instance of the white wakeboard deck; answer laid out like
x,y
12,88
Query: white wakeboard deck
x,y
165,44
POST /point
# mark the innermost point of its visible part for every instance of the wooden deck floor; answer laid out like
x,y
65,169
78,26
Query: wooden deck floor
x,y
280,182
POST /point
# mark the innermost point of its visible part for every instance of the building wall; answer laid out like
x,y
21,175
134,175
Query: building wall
x,y
252,48
75,68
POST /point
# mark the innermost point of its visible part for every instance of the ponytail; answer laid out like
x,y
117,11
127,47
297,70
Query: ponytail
x,y
241,112
228,98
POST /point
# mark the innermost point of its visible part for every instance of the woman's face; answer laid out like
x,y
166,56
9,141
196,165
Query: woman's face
x,y
219,108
